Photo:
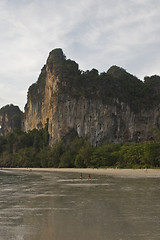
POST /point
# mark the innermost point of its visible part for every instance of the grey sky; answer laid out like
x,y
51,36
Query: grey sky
x,y
94,33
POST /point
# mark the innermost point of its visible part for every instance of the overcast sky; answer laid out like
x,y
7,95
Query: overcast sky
x,y
94,33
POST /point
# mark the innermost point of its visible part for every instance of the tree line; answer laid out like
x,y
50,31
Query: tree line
x,y
31,149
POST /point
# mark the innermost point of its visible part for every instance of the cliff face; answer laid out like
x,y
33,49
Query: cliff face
x,y
113,106
98,122
10,118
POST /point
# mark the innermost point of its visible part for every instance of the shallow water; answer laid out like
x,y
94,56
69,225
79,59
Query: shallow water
x,y
61,206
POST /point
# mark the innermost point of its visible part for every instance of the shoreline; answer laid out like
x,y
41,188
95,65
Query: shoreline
x,y
99,171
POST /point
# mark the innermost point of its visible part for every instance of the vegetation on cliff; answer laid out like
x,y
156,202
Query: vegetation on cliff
x,y
116,83
20,149
11,117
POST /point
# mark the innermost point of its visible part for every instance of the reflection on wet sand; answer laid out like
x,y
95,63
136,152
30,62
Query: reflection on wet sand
x,y
61,206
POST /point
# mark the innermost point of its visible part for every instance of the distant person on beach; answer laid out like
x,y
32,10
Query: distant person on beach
x,y
89,176
81,176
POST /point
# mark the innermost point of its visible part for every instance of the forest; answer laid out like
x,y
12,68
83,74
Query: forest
x,y
31,149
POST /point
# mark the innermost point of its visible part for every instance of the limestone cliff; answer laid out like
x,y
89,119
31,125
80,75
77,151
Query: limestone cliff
x,y
10,118
113,106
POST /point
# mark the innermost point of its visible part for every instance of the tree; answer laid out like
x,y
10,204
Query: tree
x,y
103,155
66,160
152,154
56,153
2,144
131,155
83,158
11,139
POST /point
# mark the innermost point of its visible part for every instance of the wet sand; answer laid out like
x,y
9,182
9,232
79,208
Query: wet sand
x,y
106,171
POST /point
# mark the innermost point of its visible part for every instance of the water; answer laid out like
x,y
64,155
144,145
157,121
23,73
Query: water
x,y
61,206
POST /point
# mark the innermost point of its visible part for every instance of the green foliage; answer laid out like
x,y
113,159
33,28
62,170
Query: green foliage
x,y
131,155
116,83
103,155
20,149
57,152
2,144
83,158
66,160
152,154
25,157
73,144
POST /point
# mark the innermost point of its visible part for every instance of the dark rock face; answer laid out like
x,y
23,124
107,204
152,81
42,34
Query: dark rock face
x,y
114,106
10,118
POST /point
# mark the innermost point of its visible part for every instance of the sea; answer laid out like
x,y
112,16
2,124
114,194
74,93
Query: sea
x,y
36,205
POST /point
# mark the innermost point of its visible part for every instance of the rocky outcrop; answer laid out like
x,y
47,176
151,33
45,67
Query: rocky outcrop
x,y
113,106
10,118
98,122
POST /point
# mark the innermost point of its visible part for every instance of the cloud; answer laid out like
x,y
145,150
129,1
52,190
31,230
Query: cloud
x,y
95,33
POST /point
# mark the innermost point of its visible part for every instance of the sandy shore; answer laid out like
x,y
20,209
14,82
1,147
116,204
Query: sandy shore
x,y
107,171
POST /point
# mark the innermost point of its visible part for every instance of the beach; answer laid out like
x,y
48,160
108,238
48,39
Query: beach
x,y
36,204
106,171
